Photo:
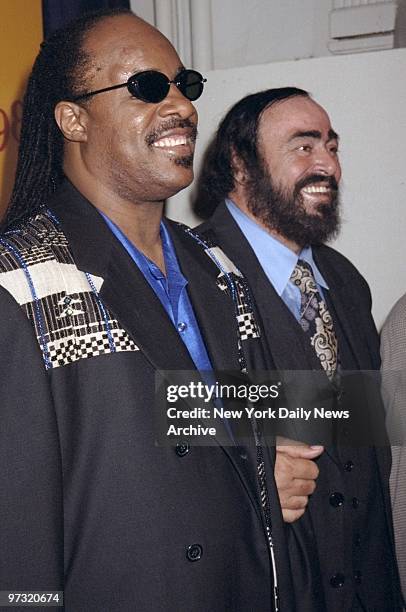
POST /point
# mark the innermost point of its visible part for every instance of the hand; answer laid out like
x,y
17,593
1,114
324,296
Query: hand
x,y
295,476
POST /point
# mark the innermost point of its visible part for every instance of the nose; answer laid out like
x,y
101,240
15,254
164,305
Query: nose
x,y
176,103
327,162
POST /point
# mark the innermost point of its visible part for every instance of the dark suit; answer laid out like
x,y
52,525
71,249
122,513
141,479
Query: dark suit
x,y
343,545
89,504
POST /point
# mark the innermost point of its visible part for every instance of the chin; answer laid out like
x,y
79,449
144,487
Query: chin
x,y
184,175
177,186
318,211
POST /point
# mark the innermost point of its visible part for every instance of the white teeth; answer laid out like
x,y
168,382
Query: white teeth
x,y
314,189
170,142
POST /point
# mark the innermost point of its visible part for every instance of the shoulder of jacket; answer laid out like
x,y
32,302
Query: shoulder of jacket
x,y
34,240
32,255
397,316
61,302
342,266
335,257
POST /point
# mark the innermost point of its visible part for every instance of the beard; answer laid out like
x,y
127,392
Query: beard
x,y
284,211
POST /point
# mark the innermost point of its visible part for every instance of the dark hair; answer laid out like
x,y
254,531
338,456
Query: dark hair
x,y
59,72
236,135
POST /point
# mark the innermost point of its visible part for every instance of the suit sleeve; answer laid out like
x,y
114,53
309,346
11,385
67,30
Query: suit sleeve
x,y
31,518
393,352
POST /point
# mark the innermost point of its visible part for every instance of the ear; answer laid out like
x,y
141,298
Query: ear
x,y
239,169
72,121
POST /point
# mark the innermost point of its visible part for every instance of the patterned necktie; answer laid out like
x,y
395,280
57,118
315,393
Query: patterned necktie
x,y
315,319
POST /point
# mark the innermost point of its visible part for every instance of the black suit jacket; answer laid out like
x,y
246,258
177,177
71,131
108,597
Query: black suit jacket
x,y
325,544
89,503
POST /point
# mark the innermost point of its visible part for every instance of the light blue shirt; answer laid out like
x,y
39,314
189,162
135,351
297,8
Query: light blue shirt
x,y
171,291
276,259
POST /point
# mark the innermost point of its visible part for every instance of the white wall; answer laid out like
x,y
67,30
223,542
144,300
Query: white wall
x,y
257,31
364,95
144,9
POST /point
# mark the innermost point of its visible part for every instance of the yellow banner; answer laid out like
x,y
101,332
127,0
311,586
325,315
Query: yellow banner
x,y
20,37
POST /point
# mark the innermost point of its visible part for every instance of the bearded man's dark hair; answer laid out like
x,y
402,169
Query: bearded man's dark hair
x,y
236,137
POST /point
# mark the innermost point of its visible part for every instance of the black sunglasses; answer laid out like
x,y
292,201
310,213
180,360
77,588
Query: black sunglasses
x,y
153,86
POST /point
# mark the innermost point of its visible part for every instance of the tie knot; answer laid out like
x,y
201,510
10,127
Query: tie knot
x,y
302,277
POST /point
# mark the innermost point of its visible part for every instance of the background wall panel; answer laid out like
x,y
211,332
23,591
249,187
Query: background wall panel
x,y
20,37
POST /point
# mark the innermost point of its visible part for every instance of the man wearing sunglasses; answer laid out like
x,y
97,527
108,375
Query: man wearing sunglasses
x,y
96,295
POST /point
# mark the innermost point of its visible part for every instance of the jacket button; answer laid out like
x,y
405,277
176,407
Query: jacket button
x,y
182,449
358,540
194,552
336,499
355,502
349,466
358,577
337,580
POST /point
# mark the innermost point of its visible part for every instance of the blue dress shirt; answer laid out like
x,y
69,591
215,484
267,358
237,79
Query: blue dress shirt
x,y
276,259
171,291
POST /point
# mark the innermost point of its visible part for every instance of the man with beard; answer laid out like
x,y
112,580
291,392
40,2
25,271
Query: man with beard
x,y
97,294
271,177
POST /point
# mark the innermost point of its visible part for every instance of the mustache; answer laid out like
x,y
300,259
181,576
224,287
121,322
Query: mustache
x,y
317,178
172,124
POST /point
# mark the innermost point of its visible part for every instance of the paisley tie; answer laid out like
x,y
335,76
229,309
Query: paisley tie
x,y
315,319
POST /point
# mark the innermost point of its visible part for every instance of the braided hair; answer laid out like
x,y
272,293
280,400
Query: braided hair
x,y
59,73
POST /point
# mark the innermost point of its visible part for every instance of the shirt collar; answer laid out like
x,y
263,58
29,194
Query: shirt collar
x,y
276,259
174,276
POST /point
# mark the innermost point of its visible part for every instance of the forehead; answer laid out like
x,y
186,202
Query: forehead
x,y
297,114
122,45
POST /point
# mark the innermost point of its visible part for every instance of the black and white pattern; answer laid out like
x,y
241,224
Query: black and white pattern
x,y
232,281
247,326
70,322
72,348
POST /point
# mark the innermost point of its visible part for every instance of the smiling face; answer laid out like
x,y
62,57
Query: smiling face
x,y
139,151
299,148
296,191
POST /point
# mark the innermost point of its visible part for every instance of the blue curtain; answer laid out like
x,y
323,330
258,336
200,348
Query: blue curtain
x,y
57,13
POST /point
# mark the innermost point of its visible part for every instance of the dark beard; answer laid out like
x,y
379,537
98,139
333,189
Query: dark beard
x,y
284,212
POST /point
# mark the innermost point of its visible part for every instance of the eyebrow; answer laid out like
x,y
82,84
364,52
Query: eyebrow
x,y
332,135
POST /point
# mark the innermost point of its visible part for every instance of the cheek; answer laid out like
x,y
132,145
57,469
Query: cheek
x,y
294,172
337,173
137,126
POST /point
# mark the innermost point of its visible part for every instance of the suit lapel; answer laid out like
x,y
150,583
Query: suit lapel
x,y
344,310
213,310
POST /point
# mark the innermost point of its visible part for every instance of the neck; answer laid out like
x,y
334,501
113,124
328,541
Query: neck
x,y
293,246
139,221
243,206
